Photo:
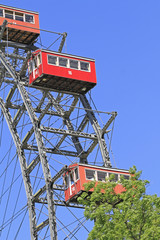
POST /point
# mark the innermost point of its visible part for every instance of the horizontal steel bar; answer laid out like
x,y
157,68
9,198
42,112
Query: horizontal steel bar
x,y
69,132
43,189
54,151
61,203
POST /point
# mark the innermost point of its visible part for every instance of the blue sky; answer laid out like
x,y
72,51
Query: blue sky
x,y
124,39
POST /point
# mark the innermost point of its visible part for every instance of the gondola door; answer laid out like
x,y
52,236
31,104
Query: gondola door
x,y
36,62
71,183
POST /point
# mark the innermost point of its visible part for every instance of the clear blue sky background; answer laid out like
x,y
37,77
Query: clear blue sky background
x,y
124,38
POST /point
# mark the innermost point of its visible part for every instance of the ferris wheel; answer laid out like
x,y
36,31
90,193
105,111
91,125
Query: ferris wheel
x,y
49,122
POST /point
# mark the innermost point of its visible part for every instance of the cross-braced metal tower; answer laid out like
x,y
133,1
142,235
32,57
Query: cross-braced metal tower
x,y
50,130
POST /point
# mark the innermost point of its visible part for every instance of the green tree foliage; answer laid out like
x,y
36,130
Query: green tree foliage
x,y
130,215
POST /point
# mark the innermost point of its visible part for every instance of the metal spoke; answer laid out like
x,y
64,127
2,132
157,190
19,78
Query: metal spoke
x,y
50,131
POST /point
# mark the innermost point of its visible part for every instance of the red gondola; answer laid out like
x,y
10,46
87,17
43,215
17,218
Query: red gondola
x,y
23,25
62,72
79,173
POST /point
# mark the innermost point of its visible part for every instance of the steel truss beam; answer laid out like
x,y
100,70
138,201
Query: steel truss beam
x,y
103,131
18,45
14,106
3,29
98,131
69,126
40,145
37,131
56,151
62,42
43,189
23,165
69,133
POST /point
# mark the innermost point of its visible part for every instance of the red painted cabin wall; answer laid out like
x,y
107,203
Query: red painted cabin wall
x,y
38,72
118,188
21,26
63,75
75,188
79,185
64,71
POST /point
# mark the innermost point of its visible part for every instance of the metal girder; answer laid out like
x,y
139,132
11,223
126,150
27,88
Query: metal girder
x,y
25,65
14,106
59,96
43,189
69,205
29,133
42,100
38,151
42,225
18,45
27,137
114,114
62,203
15,56
3,29
69,132
18,115
1,80
43,158
60,141
58,187
97,129
23,165
40,145
68,113
83,124
32,165
62,42
104,130
44,111
55,151
10,94
24,81
14,60
69,125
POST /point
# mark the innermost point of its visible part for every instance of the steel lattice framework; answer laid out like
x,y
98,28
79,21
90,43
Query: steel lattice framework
x,y
50,130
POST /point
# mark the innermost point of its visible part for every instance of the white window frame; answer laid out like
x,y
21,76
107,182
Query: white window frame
x,y
14,14
9,14
39,63
89,70
30,15
19,20
2,11
71,173
95,175
75,174
105,177
70,65
57,63
67,62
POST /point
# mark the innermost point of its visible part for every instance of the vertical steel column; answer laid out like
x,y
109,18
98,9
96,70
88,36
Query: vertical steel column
x,y
97,129
40,145
26,179
70,127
